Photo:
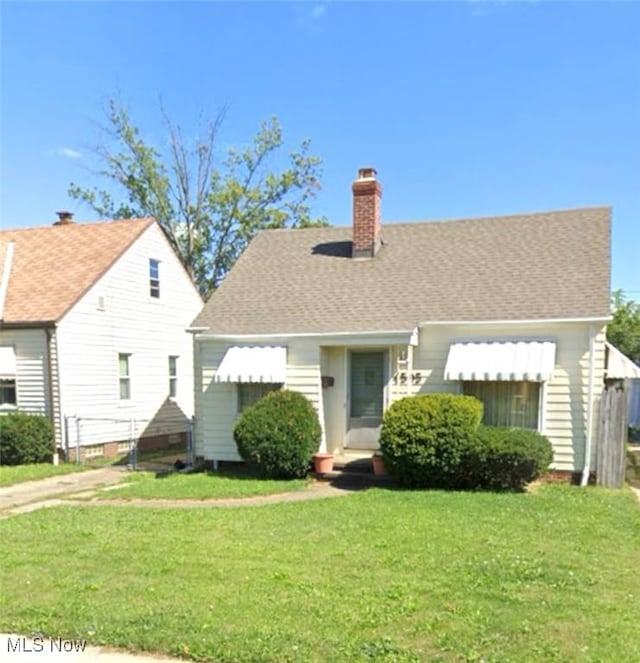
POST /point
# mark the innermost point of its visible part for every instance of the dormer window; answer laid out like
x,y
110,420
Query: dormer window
x,y
154,278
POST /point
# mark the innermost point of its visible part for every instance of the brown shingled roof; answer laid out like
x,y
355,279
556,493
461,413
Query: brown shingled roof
x,y
551,265
53,266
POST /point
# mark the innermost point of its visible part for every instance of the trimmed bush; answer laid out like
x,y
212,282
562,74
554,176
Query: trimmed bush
x,y
506,458
279,434
425,439
25,439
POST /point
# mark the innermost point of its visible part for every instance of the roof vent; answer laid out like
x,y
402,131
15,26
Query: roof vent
x,y
64,218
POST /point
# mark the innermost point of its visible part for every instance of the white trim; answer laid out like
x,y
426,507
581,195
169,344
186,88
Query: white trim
x,y
542,408
411,333
539,321
6,272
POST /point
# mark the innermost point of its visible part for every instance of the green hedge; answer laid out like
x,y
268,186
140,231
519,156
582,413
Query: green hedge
x,y
25,439
424,439
436,441
506,458
279,434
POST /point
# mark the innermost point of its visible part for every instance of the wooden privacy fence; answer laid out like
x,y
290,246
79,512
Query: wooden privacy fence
x,y
611,456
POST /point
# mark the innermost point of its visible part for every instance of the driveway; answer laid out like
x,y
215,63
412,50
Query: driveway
x,y
28,492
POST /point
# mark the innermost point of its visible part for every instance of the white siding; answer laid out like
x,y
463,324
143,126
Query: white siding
x,y
333,364
217,407
91,336
566,395
32,381
216,402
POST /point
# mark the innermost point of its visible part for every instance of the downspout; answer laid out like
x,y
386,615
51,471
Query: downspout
x,y
49,334
589,437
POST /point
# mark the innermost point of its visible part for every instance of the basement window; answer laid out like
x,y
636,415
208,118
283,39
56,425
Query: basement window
x,y
154,278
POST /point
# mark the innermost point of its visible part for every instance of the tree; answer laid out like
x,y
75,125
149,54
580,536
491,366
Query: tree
x,y
208,214
624,330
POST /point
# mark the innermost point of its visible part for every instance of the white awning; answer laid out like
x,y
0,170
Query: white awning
x,y
7,362
531,361
253,364
619,366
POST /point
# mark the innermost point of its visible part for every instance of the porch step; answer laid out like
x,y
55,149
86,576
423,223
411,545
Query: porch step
x,y
358,462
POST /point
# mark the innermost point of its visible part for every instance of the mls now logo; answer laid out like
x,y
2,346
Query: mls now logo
x,y
39,645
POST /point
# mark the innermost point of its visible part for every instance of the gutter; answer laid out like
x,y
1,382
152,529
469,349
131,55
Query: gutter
x,y
412,333
539,321
586,471
49,333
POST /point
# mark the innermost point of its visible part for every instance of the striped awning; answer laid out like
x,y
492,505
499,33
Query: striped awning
x,y
253,364
619,366
530,361
7,362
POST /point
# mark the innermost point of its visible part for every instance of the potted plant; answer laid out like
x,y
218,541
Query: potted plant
x,y
323,463
378,464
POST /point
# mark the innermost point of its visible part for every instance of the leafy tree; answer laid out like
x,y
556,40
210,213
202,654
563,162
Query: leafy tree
x,y
624,330
208,213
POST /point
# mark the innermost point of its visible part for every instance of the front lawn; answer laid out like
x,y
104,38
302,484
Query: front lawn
x,y
377,576
11,474
200,486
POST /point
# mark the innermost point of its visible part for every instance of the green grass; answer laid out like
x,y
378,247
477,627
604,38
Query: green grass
x,y
201,486
376,576
12,474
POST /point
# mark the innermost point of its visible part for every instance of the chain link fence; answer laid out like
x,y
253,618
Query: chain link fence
x,y
127,440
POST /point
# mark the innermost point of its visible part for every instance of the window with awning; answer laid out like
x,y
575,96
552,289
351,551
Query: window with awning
x,y
528,361
505,375
264,364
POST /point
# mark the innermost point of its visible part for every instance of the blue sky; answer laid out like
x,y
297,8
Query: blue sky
x,y
465,108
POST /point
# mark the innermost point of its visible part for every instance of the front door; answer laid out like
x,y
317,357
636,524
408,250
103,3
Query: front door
x,y
366,399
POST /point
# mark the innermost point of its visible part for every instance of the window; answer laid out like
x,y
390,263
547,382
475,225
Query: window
x,y
250,392
125,377
173,376
507,403
7,391
8,372
154,278
94,451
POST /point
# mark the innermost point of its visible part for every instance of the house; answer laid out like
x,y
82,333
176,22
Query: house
x,y
510,309
92,333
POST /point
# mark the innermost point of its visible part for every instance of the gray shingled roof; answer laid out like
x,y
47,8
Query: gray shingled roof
x,y
523,267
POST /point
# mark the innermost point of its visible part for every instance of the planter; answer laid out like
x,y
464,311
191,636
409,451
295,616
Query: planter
x,y
323,463
378,466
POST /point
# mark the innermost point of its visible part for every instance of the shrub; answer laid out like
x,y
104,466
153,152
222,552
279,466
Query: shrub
x,y
506,458
279,434
424,439
25,439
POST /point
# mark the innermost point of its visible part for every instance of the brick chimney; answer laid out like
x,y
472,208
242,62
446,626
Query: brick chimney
x,y
367,194
64,218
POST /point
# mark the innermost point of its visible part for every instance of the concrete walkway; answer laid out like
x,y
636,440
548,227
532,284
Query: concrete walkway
x,y
28,492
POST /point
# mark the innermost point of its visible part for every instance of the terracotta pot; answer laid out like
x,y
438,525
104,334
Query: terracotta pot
x,y
378,465
323,463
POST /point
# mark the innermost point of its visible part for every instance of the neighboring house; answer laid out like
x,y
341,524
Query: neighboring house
x,y
510,309
92,332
